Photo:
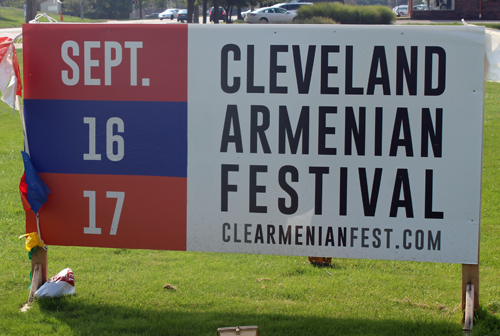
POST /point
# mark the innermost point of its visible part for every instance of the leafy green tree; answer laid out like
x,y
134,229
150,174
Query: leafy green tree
x,y
161,4
14,3
73,6
177,4
110,9
143,4
371,2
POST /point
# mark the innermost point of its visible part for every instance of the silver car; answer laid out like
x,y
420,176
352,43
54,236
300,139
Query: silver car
x,y
269,15
401,10
292,7
168,14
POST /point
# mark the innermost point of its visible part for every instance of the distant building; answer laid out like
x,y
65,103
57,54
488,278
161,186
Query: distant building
x,y
454,9
50,6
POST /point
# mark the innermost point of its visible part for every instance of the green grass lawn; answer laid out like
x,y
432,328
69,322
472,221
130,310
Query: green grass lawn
x,y
120,292
14,17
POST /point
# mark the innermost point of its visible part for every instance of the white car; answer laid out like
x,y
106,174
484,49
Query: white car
x,y
420,7
401,10
269,15
244,14
292,7
168,14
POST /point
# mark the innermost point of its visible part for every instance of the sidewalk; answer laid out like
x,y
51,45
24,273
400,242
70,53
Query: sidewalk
x,y
424,22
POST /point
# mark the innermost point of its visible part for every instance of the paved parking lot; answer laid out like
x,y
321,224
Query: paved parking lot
x,y
165,21
409,21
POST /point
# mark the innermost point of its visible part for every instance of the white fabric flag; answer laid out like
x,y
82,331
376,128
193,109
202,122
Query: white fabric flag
x,y
10,83
492,55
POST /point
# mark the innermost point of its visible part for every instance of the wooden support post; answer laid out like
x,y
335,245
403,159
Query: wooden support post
x,y
470,293
36,281
39,274
470,275
469,308
40,256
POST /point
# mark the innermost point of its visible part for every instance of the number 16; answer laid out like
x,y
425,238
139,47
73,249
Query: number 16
x,y
111,139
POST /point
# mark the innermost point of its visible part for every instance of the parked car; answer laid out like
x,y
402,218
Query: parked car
x,y
222,14
182,15
420,7
153,16
269,15
401,10
168,14
292,7
244,14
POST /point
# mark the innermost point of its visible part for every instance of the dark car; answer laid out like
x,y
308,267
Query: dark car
x,y
182,15
152,16
222,14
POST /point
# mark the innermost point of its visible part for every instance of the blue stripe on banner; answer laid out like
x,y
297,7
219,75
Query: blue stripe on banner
x,y
152,142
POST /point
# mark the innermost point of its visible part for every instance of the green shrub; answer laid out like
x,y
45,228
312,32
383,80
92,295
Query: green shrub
x,y
318,20
347,14
305,12
385,15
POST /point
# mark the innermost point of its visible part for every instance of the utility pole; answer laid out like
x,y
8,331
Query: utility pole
x,y
30,10
216,11
133,8
205,11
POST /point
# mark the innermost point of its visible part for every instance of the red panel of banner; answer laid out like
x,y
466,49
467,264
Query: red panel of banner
x,y
113,211
104,62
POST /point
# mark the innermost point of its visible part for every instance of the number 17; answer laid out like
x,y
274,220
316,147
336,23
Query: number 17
x,y
92,228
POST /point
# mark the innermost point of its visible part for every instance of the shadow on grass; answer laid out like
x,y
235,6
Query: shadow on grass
x,y
105,319
6,19
486,322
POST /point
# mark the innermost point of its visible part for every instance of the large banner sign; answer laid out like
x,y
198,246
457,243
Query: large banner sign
x,y
310,140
